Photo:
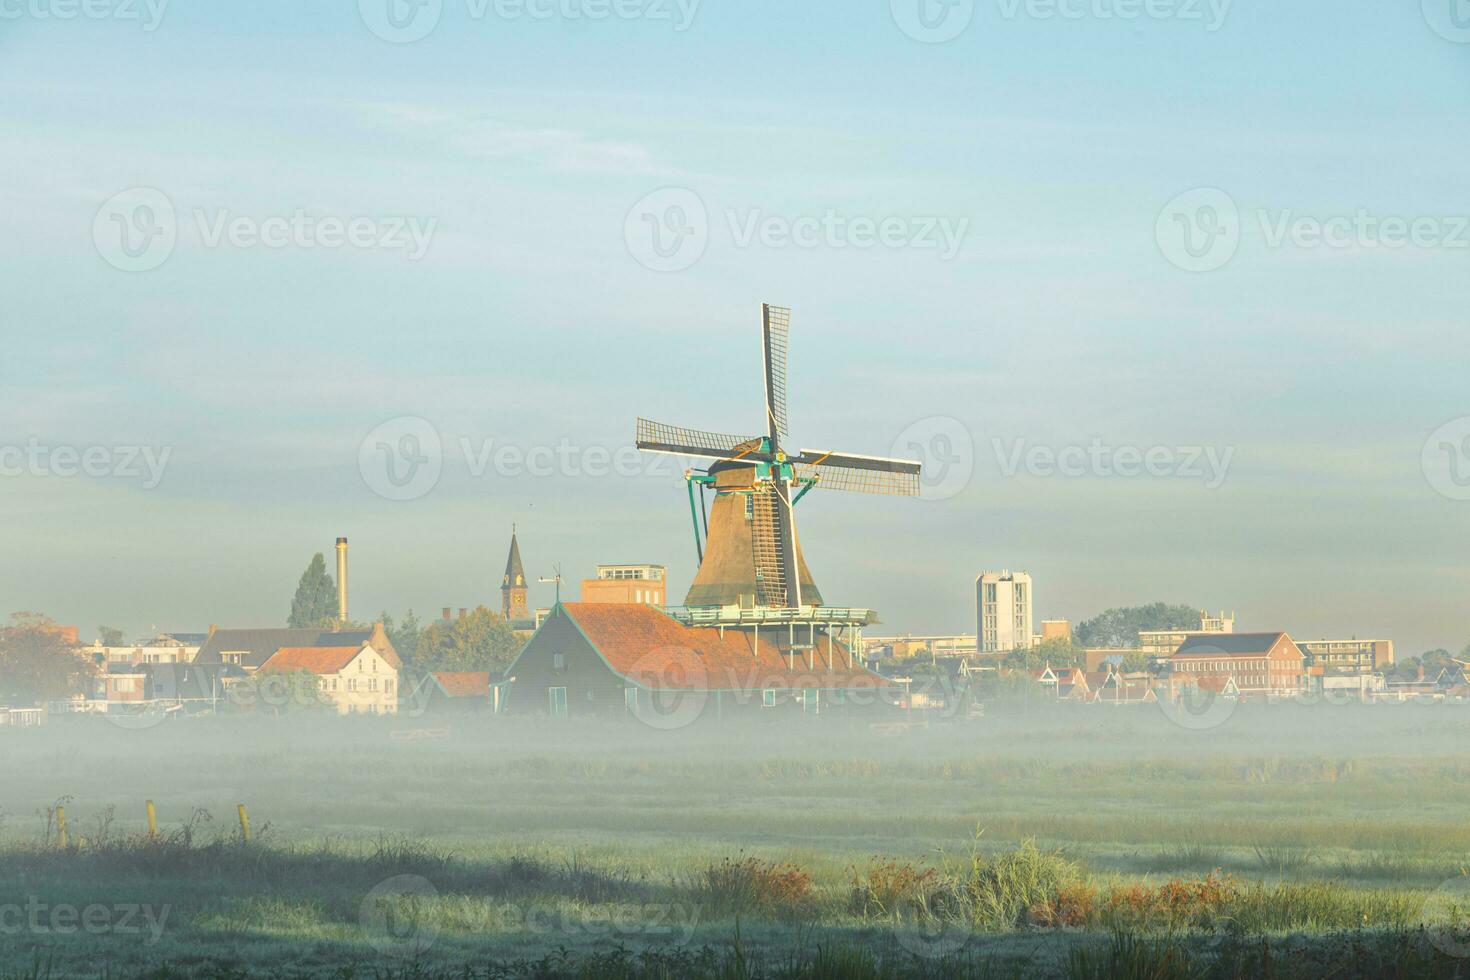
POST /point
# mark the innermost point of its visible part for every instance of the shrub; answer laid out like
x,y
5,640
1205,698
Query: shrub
x,y
1176,904
753,885
891,888
1074,906
1001,891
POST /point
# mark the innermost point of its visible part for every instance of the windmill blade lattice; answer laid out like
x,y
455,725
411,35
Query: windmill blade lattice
x,y
776,324
860,474
656,437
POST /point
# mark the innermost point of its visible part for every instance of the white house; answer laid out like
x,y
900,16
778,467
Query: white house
x,y
356,680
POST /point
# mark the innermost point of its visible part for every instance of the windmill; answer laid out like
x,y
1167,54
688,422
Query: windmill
x,y
752,555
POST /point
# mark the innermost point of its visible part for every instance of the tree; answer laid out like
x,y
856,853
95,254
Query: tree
x,y
482,640
404,636
279,692
38,664
315,603
1135,663
1058,652
1431,661
1012,688
110,637
1118,629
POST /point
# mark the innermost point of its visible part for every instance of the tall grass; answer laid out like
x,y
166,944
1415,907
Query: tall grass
x,y
1283,860
751,885
1000,891
1131,957
1194,856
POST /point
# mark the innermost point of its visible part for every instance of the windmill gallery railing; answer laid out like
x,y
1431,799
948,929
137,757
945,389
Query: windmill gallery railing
x,y
799,626
771,616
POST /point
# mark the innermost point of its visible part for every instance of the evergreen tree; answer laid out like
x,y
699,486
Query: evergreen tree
x,y
315,604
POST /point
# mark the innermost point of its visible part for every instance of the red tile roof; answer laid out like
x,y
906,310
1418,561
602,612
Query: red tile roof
x,y
465,684
316,660
651,649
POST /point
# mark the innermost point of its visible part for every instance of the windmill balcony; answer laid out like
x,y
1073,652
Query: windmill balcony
x,y
772,616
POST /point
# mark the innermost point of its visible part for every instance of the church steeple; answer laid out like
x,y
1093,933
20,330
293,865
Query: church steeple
x,y
513,589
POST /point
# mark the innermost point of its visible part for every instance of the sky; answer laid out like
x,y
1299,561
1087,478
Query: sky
x,y
1169,296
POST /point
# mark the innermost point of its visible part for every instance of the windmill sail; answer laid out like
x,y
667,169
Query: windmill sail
x,y
859,474
656,437
776,340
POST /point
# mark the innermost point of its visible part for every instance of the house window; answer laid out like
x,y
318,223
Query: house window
x,y
809,701
768,698
558,702
750,507
630,698
558,661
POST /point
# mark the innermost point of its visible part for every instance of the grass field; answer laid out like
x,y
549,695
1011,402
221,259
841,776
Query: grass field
x,y
1083,842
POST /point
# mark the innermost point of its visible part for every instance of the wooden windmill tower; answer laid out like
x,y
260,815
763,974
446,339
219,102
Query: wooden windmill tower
x,y
751,555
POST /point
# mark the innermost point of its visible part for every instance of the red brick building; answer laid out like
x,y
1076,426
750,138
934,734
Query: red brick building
x,y
1258,665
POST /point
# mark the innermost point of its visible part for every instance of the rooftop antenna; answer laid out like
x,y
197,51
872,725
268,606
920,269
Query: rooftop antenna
x,y
555,578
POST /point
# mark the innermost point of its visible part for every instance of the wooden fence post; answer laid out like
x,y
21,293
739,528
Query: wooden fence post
x,y
244,822
152,821
61,827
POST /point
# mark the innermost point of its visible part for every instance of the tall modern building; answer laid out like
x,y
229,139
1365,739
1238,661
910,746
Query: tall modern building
x,y
1003,606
